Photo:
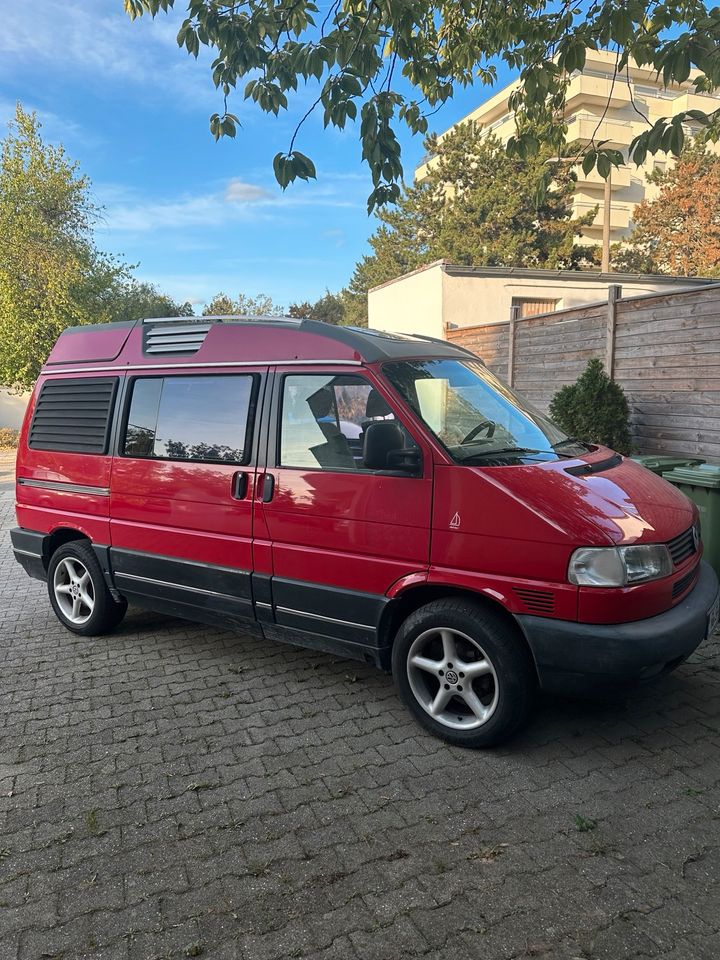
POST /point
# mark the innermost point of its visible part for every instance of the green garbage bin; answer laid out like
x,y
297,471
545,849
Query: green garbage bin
x,y
702,484
661,464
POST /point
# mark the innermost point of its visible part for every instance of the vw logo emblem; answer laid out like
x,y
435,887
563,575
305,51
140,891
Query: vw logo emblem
x,y
451,676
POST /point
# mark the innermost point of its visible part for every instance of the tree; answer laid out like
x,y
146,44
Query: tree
x,y
259,306
594,409
330,308
466,212
678,232
396,62
134,300
51,275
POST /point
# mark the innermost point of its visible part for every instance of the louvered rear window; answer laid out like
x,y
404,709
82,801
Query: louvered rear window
x,y
73,415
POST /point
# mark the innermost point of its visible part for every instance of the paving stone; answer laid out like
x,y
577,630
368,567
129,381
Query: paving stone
x,y
156,804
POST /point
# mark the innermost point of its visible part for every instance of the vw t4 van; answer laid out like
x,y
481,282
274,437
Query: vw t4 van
x,y
381,497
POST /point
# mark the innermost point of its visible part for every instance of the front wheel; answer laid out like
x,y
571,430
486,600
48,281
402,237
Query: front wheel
x,y
464,672
78,592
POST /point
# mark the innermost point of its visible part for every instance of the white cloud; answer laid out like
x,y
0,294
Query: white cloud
x,y
84,38
238,191
127,211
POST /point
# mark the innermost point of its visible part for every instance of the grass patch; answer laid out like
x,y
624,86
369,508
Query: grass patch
x,y
584,824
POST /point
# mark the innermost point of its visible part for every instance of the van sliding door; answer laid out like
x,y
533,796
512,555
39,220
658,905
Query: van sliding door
x,y
182,489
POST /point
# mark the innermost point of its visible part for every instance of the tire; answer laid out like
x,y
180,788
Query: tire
x,y
78,592
430,651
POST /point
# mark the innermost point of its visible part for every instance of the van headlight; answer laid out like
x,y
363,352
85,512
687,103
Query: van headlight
x,y
619,566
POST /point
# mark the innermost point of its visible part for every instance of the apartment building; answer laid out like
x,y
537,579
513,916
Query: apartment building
x,y
603,106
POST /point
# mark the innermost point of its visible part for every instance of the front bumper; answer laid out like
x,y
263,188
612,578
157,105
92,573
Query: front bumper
x,y
584,658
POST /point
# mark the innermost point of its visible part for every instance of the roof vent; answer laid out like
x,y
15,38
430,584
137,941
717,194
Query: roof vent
x,y
175,335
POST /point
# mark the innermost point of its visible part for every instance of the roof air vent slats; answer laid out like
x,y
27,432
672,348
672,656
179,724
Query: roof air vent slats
x,y
163,337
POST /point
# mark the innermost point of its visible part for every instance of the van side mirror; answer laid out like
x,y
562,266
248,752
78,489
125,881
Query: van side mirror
x,y
384,449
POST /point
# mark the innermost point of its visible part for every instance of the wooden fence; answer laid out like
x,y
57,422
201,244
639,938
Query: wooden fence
x,y
663,348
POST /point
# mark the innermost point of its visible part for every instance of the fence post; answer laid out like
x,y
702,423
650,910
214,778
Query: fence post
x,y
614,294
514,315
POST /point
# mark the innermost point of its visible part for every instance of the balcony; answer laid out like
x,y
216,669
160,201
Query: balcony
x,y
620,179
585,90
620,216
586,126
695,101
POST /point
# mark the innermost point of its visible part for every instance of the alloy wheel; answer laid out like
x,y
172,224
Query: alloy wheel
x,y
74,592
452,678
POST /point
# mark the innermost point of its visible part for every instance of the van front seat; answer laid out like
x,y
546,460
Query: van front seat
x,y
375,409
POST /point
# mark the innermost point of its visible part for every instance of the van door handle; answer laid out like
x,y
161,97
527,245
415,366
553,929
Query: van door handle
x,y
268,487
239,485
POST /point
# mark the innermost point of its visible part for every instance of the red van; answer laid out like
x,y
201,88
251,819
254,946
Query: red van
x,y
378,496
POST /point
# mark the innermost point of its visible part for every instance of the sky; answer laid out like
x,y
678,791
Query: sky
x,y
196,216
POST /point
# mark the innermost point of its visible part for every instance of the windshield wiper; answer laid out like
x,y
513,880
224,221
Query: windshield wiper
x,y
504,450
567,440
522,451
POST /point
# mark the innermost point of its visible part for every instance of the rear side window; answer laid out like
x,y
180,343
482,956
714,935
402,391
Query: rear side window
x,y
190,418
73,415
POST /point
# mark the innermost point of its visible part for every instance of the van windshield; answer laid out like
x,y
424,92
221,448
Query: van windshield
x,y
476,417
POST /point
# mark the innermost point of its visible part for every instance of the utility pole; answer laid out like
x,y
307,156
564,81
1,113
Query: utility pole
x,y
606,225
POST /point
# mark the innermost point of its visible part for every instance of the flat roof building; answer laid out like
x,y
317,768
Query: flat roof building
x,y
441,296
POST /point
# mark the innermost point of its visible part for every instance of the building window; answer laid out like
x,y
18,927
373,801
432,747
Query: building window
x,y
531,306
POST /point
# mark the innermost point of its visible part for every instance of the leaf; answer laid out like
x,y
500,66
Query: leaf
x,y
589,161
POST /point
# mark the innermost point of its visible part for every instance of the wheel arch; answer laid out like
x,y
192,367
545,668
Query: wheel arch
x,y
410,600
58,538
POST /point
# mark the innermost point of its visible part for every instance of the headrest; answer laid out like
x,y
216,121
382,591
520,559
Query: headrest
x,y
376,406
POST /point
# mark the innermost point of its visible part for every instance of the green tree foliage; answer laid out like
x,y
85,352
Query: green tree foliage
x,y
49,268
222,305
594,409
51,274
134,299
330,308
479,207
391,63
678,232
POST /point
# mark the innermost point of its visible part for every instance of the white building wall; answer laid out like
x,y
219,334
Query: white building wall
x,y
429,300
12,408
413,304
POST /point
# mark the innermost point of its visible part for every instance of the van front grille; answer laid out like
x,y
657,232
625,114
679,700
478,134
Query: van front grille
x,y
681,585
175,337
536,601
682,546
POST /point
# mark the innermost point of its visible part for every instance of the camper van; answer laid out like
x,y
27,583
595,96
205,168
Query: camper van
x,y
381,497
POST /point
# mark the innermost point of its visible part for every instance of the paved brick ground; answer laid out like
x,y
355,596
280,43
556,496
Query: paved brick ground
x,y
175,791
7,471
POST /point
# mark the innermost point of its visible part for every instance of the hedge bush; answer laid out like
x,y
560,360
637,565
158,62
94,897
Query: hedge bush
x,y
594,408
8,438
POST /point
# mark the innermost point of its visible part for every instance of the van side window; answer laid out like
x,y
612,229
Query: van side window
x,y
73,415
190,418
325,419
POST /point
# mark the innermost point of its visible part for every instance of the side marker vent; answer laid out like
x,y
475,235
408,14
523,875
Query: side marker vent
x,y
536,601
176,336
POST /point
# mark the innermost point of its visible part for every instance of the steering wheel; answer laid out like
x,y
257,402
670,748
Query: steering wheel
x,y
483,425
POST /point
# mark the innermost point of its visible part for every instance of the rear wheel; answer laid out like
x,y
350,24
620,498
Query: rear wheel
x,y
464,672
78,592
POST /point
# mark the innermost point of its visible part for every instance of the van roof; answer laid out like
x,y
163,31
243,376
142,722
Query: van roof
x,y
235,339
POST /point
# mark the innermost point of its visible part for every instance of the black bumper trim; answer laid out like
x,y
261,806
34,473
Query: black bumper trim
x,y
574,658
29,549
